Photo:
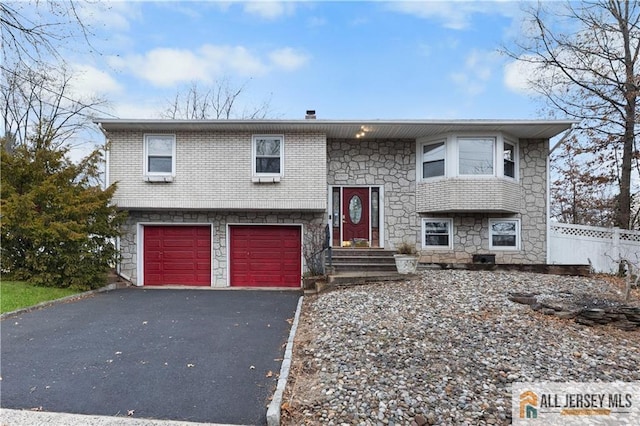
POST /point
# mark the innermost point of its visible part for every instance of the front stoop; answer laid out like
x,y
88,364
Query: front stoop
x,y
354,266
365,260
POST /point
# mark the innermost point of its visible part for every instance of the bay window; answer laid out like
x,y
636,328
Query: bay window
x,y
433,155
467,156
509,160
475,156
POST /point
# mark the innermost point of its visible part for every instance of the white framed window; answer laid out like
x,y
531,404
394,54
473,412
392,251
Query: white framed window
x,y
510,158
268,155
437,233
159,155
433,159
476,156
504,234
468,156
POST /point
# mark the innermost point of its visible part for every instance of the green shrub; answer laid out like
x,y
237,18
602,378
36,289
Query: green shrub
x,y
58,225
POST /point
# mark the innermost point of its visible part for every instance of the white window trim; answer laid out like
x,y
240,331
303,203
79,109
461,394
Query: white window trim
x,y
505,248
145,158
254,174
439,219
420,162
516,162
452,160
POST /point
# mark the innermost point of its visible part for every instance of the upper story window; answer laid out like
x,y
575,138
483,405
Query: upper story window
x,y
476,155
467,156
268,158
433,159
160,155
509,159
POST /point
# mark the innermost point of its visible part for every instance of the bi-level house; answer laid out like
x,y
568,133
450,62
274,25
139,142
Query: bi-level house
x,y
240,202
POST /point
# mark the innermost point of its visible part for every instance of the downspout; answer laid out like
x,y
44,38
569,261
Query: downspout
x,y
555,146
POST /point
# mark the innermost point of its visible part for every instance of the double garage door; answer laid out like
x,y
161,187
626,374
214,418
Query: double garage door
x,y
260,256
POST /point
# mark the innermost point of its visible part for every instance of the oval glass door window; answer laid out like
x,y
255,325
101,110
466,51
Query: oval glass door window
x,y
355,209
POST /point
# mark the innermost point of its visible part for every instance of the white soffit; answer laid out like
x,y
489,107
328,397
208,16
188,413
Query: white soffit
x,y
348,129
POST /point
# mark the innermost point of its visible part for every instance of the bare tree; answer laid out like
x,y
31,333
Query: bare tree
x,y
580,196
37,102
36,96
586,66
33,31
219,101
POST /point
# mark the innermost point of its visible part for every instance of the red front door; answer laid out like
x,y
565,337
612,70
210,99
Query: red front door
x,y
355,214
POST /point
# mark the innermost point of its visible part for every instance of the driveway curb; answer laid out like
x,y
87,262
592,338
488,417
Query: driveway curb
x,y
82,295
273,412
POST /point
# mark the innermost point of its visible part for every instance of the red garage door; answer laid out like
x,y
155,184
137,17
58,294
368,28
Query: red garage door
x,y
177,255
265,256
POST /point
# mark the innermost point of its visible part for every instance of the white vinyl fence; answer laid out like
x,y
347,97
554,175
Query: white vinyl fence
x,y
603,248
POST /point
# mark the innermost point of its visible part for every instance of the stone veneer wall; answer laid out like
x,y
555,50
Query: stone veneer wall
x,y
391,164
471,231
313,223
386,163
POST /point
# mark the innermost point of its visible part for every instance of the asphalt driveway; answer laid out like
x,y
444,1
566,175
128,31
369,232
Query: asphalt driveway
x,y
189,355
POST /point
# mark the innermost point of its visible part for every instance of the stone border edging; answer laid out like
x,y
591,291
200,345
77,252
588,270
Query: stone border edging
x,y
273,412
82,295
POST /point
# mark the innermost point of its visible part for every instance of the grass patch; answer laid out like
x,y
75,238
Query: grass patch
x,y
19,294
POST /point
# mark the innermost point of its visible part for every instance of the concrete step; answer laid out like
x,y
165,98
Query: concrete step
x,y
361,267
361,260
354,252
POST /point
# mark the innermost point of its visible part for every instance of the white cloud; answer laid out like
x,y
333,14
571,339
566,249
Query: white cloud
x,y
269,9
455,15
476,72
141,109
112,16
166,67
89,81
517,75
288,59
235,59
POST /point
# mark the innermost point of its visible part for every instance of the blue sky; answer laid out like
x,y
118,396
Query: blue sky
x,y
346,60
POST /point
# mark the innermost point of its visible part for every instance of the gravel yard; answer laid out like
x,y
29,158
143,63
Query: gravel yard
x,y
443,348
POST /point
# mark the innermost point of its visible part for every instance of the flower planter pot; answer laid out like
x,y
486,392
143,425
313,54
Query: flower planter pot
x,y
406,263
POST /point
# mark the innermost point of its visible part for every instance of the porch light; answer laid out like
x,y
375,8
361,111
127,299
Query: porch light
x,y
362,132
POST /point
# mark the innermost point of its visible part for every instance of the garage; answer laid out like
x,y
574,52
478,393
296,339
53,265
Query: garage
x,y
177,255
265,256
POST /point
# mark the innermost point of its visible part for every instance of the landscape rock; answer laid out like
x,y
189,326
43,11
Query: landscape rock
x,y
445,347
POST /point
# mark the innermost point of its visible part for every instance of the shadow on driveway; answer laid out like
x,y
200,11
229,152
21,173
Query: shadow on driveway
x,y
190,355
